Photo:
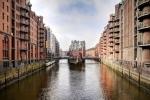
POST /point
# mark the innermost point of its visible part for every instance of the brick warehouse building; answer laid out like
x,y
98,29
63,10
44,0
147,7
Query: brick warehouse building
x,y
126,37
22,34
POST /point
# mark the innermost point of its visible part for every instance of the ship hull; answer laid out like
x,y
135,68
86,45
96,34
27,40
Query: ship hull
x,y
75,62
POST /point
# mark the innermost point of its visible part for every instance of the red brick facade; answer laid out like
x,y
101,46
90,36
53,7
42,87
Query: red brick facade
x,y
126,38
22,34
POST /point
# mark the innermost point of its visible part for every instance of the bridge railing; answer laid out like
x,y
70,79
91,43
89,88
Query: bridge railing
x,y
67,57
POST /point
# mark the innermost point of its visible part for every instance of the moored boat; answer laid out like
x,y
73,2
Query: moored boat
x,y
76,52
75,60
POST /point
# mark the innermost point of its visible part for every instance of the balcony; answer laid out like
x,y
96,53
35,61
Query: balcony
x,y
105,46
42,32
116,24
116,36
24,15
111,45
26,8
41,41
42,27
144,44
144,14
142,3
41,45
41,37
111,52
143,27
112,17
23,48
111,31
116,49
116,30
105,42
111,40
24,37
24,30
117,19
111,26
110,35
24,22
117,42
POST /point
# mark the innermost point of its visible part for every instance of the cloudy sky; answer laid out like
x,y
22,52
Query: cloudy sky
x,y
75,19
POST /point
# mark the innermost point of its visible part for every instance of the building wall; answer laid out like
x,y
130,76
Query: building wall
x,y
41,38
33,35
19,34
5,51
143,35
128,30
90,52
54,45
134,38
77,48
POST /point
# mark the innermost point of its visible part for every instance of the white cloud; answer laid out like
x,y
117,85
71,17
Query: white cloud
x,y
74,24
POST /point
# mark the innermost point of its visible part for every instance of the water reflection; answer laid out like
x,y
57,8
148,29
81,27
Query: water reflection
x,y
80,67
117,88
90,81
72,82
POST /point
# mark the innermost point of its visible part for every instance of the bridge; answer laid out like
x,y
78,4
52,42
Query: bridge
x,y
85,58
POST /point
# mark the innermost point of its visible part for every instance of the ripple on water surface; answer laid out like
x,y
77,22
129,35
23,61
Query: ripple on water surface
x,y
90,81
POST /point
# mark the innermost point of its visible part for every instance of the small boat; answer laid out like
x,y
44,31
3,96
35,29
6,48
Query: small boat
x,y
76,52
75,61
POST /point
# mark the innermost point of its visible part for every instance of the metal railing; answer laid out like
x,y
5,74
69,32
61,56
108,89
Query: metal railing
x,y
140,2
142,25
143,13
116,36
25,14
25,37
144,43
23,48
117,41
25,7
24,29
116,30
24,22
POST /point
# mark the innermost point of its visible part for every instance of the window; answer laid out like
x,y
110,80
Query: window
x,y
13,4
7,9
3,27
7,29
3,15
7,18
3,5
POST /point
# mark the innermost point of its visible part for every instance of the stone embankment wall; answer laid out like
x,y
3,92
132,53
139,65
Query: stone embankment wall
x,y
136,75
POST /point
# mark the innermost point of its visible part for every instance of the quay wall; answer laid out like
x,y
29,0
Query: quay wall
x,y
14,75
141,79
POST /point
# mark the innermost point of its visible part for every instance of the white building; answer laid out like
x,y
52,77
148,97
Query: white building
x,y
52,44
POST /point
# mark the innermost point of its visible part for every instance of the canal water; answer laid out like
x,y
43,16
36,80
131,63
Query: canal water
x,y
90,81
